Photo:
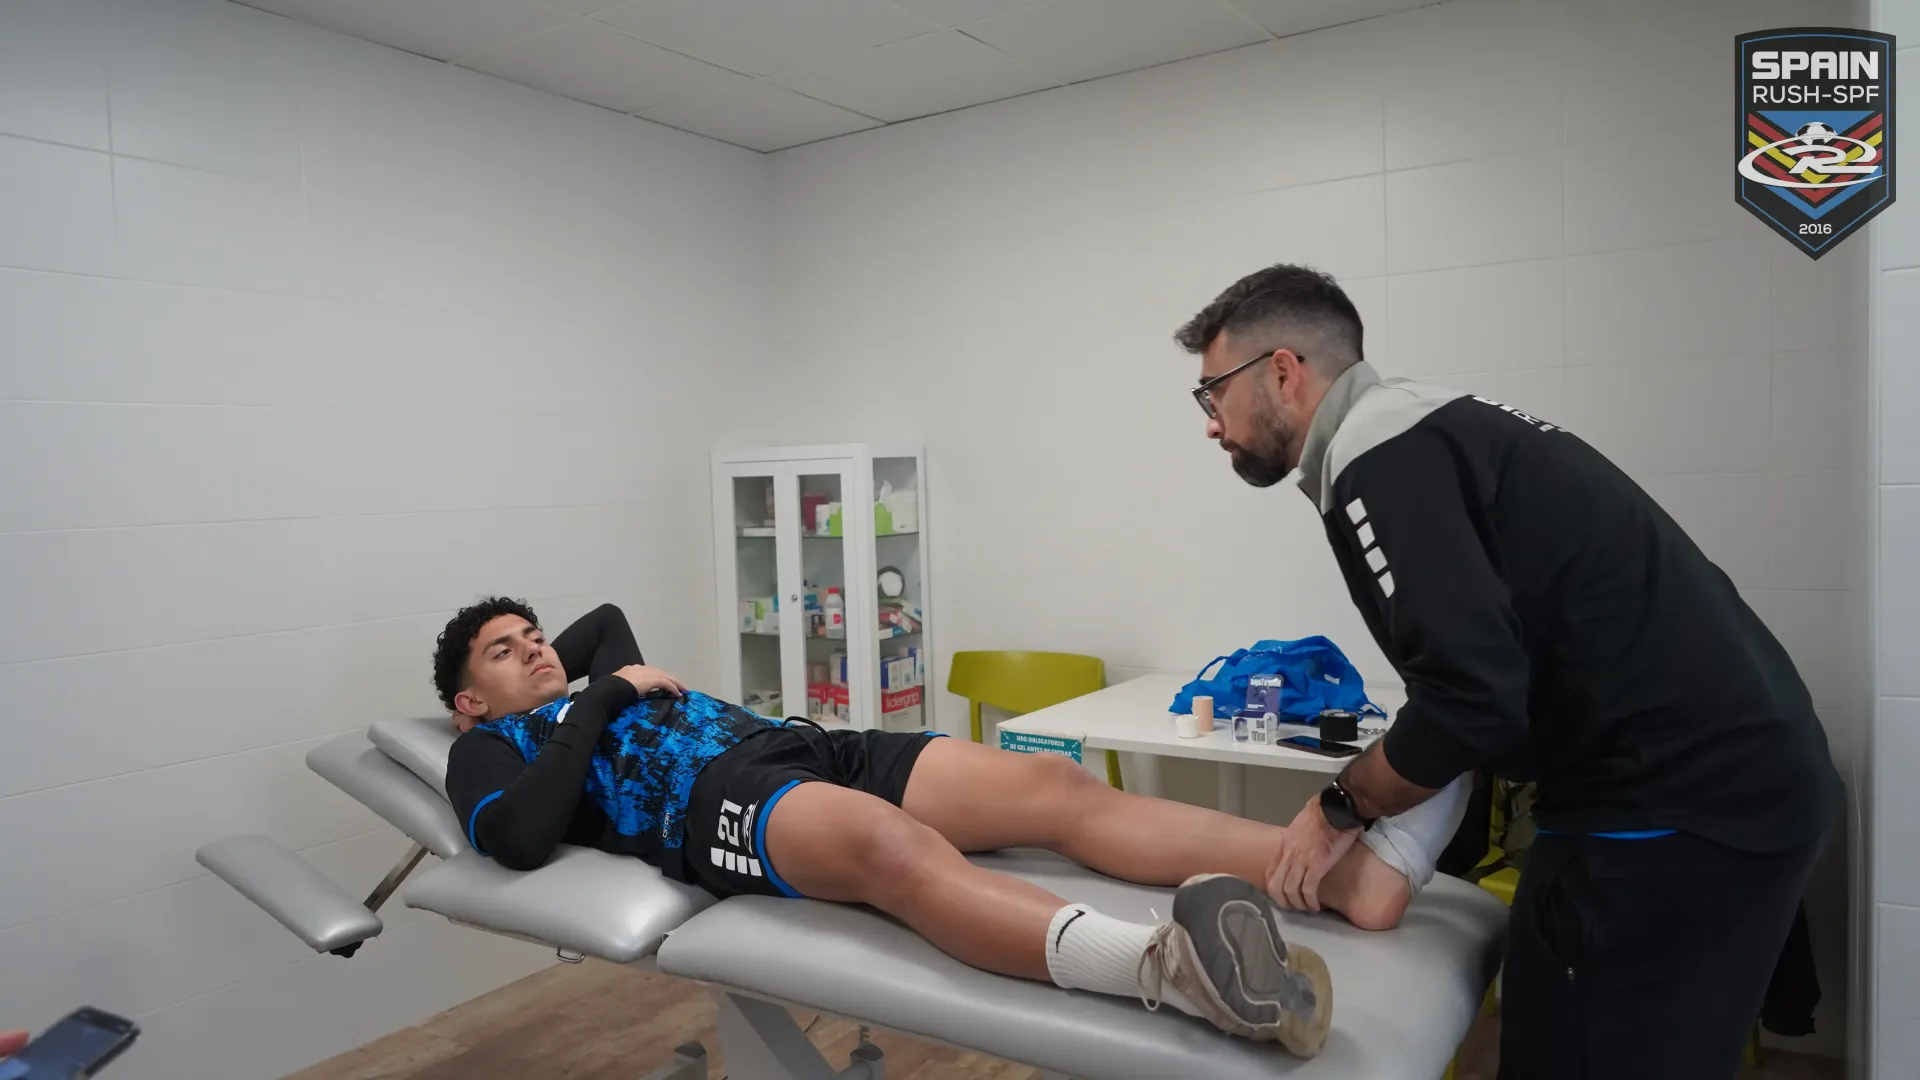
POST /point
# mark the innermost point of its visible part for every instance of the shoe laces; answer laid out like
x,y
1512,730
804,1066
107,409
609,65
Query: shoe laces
x,y
1152,972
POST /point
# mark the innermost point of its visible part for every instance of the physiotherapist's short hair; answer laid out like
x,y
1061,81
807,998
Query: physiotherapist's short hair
x,y
450,650
1281,301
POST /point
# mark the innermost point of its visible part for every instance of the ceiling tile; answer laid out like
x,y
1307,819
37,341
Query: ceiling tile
x,y
758,115
442,29
961,12
767,37
1073,40
1286,17
929,74
594,62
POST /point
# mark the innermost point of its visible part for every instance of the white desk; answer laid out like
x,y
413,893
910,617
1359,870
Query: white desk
x,y
1132,717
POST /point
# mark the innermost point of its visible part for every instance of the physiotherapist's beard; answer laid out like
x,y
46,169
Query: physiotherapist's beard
x,y
1261,469
1262,461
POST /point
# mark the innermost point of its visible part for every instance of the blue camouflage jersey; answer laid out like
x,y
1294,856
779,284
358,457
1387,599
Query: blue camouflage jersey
x,y
647,758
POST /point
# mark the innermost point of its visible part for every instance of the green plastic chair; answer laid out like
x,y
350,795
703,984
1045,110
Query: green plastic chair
x,y
1023,682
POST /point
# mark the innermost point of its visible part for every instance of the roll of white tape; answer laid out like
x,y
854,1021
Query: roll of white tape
x,y
1186,726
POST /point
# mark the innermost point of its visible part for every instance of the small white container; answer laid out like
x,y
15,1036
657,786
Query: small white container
x,y
1263,727
834,607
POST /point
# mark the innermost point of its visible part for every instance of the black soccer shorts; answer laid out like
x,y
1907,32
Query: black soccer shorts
x,y
734,795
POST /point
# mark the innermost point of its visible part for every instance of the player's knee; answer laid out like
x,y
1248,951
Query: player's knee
x,y
1055,775
1065,795
894,852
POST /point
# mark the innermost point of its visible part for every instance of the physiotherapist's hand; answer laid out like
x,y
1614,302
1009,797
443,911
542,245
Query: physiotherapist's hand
x,y
11,1042
647,679
1310,848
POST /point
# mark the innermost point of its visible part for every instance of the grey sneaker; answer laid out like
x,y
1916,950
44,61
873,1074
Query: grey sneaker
x,y
1223,952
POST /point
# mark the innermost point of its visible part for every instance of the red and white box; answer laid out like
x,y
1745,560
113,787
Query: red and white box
x,y
828,702
900,709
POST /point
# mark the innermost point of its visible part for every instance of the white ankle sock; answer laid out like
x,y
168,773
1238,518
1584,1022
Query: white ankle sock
x,y
1412,842
1089,951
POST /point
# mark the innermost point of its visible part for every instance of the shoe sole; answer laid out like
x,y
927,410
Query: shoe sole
x,y
1238,943
1305,1034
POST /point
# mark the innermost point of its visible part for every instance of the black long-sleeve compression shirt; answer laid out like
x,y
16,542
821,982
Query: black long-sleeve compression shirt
x,y
518,811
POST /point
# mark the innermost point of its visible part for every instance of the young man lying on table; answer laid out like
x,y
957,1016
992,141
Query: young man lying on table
x,y
714,795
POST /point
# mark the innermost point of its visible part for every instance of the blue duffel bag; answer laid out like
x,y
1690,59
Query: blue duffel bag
x,y
1316,675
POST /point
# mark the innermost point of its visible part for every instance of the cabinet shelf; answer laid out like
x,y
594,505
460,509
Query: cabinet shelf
x,y
831,536
839,639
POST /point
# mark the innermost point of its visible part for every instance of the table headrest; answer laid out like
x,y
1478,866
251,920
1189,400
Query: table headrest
x,y
421,743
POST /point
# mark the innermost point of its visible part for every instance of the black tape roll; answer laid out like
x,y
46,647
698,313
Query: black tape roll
x,y
1339,725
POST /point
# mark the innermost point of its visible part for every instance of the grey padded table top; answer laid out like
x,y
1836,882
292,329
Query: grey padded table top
x,y
356,766
421,743
585,901
1403,999
582,900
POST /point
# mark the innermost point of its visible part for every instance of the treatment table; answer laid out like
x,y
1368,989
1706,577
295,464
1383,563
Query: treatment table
x,y
1403,999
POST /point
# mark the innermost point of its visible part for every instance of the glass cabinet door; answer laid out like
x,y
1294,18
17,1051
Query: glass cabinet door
x,y
757,581
825,603
900,592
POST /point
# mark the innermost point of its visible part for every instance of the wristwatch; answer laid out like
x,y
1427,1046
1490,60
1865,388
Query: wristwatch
x,y
1336,804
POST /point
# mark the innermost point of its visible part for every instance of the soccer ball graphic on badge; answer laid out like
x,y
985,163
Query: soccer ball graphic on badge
x,y
1816,134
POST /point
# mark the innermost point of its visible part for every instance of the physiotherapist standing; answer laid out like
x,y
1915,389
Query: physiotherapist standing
x,y
1551,623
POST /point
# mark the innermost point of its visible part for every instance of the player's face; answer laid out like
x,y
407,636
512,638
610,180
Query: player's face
x,y
511,668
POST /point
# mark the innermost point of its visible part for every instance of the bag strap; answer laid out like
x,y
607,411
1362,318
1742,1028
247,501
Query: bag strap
x,y
1209,666
1473,876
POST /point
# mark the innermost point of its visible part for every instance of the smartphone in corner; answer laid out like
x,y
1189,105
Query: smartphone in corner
x,y
77,1047
1314,745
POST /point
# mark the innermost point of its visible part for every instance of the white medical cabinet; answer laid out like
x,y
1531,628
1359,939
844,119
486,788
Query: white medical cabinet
x,y
820,562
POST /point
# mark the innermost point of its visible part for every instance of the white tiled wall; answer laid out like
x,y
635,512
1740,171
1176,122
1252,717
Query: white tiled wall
x,y
306,342
1526,198
1891,937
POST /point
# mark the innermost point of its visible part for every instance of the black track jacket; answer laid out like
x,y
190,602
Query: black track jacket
x,y
1551,622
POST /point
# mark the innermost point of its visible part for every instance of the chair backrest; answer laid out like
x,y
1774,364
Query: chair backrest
x,y
1021,682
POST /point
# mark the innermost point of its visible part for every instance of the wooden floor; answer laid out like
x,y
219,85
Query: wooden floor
x,y
599,1021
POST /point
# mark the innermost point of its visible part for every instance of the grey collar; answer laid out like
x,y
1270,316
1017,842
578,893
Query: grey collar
x,y
1327,417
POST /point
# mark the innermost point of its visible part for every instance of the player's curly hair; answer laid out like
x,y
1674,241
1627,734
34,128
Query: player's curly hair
x,y
451,648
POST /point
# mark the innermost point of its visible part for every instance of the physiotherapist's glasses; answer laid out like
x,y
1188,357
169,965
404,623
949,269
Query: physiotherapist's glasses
x,y
1204,392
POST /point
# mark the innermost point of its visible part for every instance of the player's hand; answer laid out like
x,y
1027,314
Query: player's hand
x,y
1309,849
648,679
11,1042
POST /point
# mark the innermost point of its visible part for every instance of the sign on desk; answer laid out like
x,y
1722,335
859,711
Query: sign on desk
x,y
1021,742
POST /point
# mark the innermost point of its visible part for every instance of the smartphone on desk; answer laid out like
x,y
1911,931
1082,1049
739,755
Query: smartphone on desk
x,y
1313,744
77,1047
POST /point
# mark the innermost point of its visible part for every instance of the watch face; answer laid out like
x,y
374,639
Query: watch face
x,y
1337,806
